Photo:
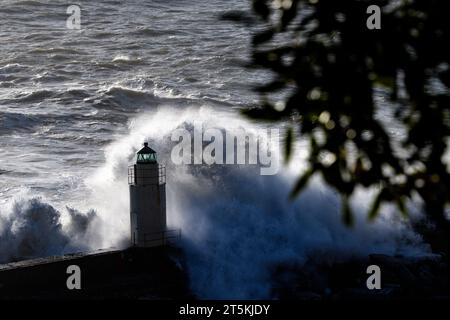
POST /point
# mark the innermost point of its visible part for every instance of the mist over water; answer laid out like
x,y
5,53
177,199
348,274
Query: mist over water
x,y
75,106
237,225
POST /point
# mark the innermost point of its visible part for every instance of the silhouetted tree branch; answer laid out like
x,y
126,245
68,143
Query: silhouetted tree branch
x,y
329,68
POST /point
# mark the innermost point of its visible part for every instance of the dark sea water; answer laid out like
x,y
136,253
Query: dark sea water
x,y
75,105
64,94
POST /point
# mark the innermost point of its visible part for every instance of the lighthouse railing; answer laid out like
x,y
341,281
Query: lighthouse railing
x,y
150,174
164,237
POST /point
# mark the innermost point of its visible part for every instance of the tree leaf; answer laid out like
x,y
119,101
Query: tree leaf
x,y
289,141
375,207
347,214
263,36
264,114
301,183
239,17
402,207
261,8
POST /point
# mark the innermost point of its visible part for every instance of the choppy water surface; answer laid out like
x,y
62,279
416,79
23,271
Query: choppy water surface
x,y
64,94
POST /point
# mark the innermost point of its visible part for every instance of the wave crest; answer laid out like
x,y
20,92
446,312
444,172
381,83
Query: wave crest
x,y
32,228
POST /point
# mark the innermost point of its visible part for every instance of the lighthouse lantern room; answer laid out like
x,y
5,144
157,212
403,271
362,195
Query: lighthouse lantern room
x,y
146,155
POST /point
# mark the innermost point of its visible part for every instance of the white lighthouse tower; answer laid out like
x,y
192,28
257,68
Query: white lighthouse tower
x,y
147,180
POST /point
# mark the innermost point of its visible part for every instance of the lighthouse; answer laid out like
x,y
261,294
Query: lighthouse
x,y
147,181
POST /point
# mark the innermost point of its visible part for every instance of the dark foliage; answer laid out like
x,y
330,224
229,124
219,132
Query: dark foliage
x,y
329,68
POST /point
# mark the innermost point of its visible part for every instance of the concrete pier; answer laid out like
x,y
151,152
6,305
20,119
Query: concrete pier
x,y
134,273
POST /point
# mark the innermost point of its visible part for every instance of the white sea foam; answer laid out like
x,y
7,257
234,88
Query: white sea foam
x,y
236,224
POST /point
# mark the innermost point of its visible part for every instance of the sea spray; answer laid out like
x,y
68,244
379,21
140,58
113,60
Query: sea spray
x,y
237,225
31,228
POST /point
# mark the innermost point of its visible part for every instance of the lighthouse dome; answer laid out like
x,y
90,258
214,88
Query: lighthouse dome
x,y
146,155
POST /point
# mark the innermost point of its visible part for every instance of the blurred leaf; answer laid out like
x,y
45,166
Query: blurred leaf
x,y
402,207
385,81
347,214
263,36
445,77
301,183
289,14
288,144
261,8
238,16
328,67
375,207
267,113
